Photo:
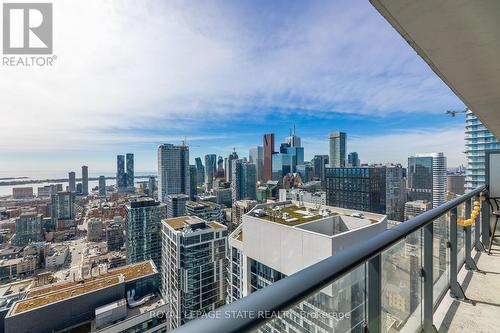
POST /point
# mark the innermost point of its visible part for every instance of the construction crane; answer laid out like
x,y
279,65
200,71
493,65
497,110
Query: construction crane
x,y
453,113
184,143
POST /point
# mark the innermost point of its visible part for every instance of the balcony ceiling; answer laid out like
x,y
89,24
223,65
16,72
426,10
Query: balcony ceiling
x,y
460,40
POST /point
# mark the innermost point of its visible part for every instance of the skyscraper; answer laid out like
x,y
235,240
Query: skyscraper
x,y
395,192
478,139
102,186
143,223
293,140
337,152
193,182
268,156
210,169
121,176
229,173
85,180
320,162
353,160
305,171
220,168
427,178
130,172
173,170
63,210
200,171
151,186
281,165
256,156
194,271
28,229
71,181
244,181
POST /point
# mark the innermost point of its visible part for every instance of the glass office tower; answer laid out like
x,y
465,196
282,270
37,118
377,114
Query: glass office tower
x,y
143,223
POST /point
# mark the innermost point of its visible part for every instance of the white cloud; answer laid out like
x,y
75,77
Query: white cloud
x,y
134,64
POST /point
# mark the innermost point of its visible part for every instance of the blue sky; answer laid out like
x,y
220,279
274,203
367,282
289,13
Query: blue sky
x,y
133,74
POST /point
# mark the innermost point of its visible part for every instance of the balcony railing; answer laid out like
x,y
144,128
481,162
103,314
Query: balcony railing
x,y
393,281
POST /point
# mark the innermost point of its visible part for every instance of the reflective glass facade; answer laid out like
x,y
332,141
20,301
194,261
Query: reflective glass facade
x,y
478,139
361,189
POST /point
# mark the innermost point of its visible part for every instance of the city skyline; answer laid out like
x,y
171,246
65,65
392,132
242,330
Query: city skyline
x,y
333,74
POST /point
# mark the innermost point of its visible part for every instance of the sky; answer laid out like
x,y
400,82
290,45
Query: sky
x,y
131,75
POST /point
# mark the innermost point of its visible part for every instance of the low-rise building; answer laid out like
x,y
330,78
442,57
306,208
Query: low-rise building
x,y
121,300
299,195
115,237
56,257
239,209
14,268
22,192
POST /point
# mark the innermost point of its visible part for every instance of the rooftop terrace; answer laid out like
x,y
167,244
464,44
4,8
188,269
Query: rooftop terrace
x,y
56,296
291,215
129,272
179,223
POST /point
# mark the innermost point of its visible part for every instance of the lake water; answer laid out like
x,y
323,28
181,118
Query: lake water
x,y
7,189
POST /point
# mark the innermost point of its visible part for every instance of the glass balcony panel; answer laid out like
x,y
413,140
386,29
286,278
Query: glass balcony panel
x,y
340,307
441,256
461,236
402,284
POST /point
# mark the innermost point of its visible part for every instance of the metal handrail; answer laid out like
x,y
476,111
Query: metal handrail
x,y
284,294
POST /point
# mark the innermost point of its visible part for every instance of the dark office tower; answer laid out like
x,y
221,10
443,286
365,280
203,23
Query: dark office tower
x,y
427,178
320,162
173,170
193,180
229,166
244,181
151,186
72,181
268,156
210,169
200,171
362,189
337,149
85,180
130,172
102,186
395,192
220,167
121,176
353,160
176,205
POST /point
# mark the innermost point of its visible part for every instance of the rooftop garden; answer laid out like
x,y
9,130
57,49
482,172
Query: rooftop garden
x,y
291,215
